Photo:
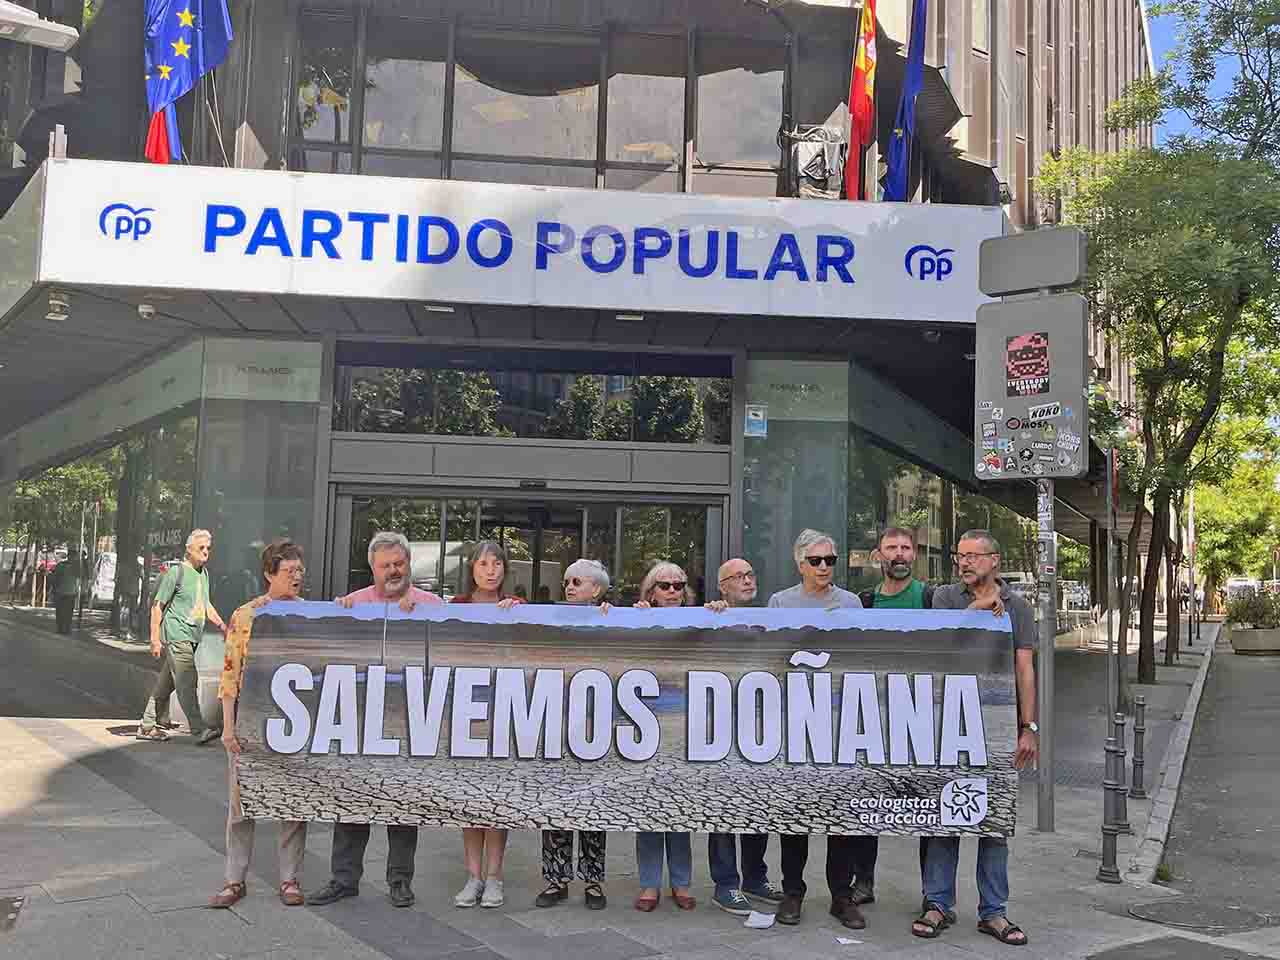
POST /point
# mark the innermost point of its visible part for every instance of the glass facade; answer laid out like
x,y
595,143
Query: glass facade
x,y
549,394
519,105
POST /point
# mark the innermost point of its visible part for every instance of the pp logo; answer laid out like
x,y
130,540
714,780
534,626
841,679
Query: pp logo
x,y
929,262
964,802
124,221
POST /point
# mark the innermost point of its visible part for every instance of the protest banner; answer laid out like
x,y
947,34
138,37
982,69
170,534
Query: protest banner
x,y
787,721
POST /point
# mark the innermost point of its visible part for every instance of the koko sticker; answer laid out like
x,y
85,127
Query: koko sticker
x,y
1043,411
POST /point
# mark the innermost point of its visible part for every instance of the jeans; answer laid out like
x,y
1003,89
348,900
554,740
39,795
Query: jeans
x,y
177,673
349,842
723,860
993,874
679,852
842,854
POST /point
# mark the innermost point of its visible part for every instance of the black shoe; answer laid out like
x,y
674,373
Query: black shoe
x,y
400,894
594,897
789,910
863,893
331,892
552,896
847,912
926,906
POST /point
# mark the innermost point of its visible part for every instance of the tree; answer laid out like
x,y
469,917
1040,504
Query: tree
x,y
1184,259
449,402
667,409
577,415
1238,523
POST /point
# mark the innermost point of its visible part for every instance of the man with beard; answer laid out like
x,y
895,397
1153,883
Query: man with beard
x,y
900,590
390,562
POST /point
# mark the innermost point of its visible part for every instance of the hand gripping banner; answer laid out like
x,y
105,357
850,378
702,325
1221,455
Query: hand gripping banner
x,y
748,721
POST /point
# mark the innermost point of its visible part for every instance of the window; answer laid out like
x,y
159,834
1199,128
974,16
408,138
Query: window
x,y
404,84
522,95
981,25
322,100
646,112
740,85
549,394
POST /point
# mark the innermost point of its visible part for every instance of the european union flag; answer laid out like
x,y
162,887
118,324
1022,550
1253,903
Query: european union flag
x,y
898,176
184,40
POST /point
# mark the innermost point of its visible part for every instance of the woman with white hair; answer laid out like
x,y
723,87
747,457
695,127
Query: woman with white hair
x,y
585,581
665,585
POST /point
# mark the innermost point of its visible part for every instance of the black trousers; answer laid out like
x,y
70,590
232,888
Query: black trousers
x,y
63,609
848,859
349,842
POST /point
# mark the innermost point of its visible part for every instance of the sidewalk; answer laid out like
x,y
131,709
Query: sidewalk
x,y
115,845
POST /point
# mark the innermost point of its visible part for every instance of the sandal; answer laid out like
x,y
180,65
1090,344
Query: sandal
x,y
683,901
151,733
1004,934
291,894
228,896
930,929
648,904
594,897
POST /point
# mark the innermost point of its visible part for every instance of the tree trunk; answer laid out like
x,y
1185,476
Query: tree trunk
x,y
1126,611
1150,582
1173,607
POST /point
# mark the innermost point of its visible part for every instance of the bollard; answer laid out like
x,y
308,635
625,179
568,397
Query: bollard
x,y
1121,803
1108,872
1137,784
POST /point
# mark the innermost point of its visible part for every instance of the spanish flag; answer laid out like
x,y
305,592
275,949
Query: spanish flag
x,y
862,100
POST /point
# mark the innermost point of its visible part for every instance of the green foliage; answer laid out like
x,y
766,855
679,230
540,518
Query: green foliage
x,y
461,403
1073,560
1238,522
667,409
1259,610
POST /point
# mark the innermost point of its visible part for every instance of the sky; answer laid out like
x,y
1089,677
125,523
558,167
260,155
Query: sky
x,y
1163,36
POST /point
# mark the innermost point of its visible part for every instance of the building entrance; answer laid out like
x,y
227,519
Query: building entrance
x,y
542,534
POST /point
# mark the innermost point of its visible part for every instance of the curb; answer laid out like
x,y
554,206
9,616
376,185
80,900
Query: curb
x,y
1150,852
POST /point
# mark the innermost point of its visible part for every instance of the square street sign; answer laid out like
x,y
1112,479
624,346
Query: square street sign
x,y
1031,419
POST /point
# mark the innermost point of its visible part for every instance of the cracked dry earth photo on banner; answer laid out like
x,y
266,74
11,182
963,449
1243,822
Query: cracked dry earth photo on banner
x,y
786,721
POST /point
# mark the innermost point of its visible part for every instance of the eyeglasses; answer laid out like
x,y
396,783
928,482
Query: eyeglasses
x,y
815,562
574,581
293,571
739,577
972,557
675,586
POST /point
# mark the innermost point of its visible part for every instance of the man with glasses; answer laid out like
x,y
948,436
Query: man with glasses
x,y
816,558
178,614
738,589
981,588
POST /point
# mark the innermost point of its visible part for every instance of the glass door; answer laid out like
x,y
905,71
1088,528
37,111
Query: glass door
x,y
542,536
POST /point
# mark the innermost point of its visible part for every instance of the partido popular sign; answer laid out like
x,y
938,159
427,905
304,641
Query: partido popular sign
x,y
788,721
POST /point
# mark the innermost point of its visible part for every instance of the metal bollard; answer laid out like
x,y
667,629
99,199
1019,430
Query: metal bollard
x,y
1137,784
1108,872
1122,805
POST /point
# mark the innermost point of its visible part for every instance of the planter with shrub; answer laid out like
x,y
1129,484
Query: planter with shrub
x,y
1253,623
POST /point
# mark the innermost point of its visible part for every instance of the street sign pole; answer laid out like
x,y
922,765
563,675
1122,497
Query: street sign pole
x,y
1047,575
1031,414
1112,572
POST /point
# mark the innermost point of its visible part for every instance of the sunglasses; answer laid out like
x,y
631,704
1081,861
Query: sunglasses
x,y
574,581
673,585
815,562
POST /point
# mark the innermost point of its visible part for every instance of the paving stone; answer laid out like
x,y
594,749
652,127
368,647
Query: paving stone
x,y
1174,948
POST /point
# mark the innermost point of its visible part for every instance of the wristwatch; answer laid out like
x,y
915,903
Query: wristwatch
x,y
1030,725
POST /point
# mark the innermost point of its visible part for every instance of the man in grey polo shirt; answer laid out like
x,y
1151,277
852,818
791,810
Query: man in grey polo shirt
x,y
816,557
981,588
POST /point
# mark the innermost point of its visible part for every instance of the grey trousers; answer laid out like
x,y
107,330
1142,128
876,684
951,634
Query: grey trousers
x,y
177,673
240,830
349,842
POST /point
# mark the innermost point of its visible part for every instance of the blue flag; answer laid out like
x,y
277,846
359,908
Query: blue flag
x,y
183,40
898,177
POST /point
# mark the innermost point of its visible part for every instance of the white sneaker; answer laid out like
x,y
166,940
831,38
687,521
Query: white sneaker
x,y
492,894
469,895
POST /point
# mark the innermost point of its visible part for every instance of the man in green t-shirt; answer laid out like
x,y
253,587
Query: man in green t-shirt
x,y
179,610
897,590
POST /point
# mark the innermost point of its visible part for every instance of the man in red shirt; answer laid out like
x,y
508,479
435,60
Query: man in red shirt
x,y
390,561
